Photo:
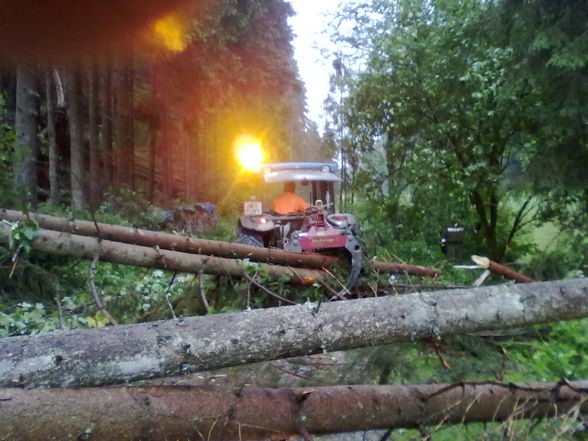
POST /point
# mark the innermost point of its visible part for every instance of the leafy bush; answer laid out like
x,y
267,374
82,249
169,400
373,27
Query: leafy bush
x,y
125,206
555,353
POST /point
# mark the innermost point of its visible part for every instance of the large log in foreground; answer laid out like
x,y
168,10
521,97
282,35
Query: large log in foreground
x,y
161,349
188,413
64,244
174,242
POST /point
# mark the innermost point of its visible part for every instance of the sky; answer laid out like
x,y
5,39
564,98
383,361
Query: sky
x,y
309,26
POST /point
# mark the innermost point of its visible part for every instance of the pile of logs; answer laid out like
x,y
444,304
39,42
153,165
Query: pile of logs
x,y
138,247
153,249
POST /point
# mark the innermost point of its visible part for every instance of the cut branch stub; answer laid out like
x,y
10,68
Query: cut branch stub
x,y
501,270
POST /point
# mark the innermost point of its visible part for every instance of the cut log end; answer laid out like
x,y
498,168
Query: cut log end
x,y
484,262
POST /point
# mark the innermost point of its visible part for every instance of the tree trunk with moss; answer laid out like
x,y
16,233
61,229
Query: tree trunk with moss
x,y
162,349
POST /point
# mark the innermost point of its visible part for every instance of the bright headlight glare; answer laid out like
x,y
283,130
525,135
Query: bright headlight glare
x,y
249,152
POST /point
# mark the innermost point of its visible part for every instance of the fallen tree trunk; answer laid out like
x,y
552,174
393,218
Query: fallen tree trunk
x,y
501,270
401,268
64,244
161,349
187,413
174,242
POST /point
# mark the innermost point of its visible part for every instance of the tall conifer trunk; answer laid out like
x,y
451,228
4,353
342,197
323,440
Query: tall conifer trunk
x,y
165,150
26,149
105,97
77,172
52,139
123,123
95,181
153,130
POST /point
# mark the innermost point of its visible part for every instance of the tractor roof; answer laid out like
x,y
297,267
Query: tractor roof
x,y
300,171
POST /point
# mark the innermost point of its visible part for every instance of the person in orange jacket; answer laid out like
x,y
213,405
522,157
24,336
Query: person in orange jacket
x,y
288,201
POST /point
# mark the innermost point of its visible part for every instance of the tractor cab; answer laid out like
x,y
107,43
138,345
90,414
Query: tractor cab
x,y
319,228
314,181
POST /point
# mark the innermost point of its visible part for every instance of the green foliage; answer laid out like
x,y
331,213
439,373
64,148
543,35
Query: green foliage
x,y
7,136
25,318
125,206
224,229
463,110
7,140
22,234
539,354
447,121
555,353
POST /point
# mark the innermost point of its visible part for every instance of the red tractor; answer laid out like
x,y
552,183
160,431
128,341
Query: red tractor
x,y
319,229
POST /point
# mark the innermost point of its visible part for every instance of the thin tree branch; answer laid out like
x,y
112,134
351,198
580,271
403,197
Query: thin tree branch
x,y
267,290
94,292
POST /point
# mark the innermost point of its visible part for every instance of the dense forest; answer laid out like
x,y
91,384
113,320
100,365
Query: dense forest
x,y
469,113
158,118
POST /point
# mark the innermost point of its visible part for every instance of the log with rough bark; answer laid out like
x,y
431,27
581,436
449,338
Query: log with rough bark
x,y
167,348
64,244
174,242
501,270
187,413
401,268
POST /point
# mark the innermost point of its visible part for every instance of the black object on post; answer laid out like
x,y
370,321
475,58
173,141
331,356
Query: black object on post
x,y
452,239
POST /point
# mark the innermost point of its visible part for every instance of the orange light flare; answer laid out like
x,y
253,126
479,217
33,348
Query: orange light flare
x,y
65,30
171,33
249,152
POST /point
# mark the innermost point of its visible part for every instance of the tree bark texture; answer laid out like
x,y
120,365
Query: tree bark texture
x,y
401,268
189,413
174,242
25,154
105,97
94,195
166,348
194,245
52,137
75,119
501,270
151,176
123,122
63,244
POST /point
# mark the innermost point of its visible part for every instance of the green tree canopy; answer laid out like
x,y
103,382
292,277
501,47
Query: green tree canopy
x,y
461,108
